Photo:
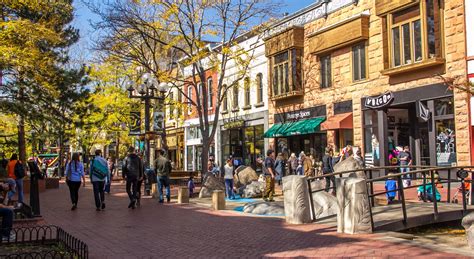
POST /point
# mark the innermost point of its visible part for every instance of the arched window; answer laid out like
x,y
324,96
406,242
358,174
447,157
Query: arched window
x,y
235,95
247,91
259,88
210,93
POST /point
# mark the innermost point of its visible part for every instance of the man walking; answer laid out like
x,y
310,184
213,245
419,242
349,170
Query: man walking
x,y
132,172
99,172
269,170
163,170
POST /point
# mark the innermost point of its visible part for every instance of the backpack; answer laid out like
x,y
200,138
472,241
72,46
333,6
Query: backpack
x,y
132,165
19,170
98,170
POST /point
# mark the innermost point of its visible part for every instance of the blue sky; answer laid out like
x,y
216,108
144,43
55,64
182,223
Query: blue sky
x,y
83,17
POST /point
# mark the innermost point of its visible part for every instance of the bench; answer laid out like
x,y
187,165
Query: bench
x,y
181,177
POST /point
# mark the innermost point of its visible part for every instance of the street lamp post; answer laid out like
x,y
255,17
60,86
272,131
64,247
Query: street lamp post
x,y
147,91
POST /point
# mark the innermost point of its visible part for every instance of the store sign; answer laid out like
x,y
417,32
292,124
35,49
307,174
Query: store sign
x,y
301,114
158,122
135,123
379,101
234,124
422,111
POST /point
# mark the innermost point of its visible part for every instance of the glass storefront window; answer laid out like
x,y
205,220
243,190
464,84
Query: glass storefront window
x,y
371,138
189,157
445,142
444,106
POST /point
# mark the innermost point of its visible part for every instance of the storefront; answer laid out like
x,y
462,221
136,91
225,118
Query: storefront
x,y
193,149
298,131
421,118
340,125
175,143
242,138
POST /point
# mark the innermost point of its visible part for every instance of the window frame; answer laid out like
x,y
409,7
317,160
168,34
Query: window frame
x,y
210,93
438,32
322,83
246,91
235,97
190,96
285,78
353,63
259,88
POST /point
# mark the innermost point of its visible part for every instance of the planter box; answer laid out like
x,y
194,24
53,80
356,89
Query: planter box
x,y
26,186
52,183
37,221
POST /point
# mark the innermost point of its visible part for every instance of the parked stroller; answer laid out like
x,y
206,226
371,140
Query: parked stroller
x,y
467,188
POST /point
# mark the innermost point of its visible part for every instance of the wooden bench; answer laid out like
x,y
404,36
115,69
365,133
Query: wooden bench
x,y
181,177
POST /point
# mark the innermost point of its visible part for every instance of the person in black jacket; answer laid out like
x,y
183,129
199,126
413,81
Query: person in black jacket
x,y
132,172
328,169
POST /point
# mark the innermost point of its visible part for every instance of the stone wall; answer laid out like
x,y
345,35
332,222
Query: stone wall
x,y
343,88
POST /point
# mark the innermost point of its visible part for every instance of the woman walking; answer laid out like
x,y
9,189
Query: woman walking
x,y
229,179
74,174
279,167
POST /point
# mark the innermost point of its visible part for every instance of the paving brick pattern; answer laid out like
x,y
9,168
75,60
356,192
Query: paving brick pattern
x,y
187,231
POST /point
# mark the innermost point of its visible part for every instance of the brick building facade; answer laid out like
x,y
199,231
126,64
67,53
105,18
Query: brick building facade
x,y
371,74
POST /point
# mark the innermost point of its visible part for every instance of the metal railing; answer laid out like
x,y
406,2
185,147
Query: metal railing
x,y
416,172
67,246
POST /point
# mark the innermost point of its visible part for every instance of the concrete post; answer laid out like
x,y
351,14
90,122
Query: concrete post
x,y
296,199
183,195
218,200
353,216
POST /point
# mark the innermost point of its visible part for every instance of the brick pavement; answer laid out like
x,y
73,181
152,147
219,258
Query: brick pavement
x,y
174,231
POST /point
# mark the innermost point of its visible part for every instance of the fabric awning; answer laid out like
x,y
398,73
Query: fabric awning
x,y
339,121
301,127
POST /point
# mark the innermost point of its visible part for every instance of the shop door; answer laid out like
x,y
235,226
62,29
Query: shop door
x,y
236,143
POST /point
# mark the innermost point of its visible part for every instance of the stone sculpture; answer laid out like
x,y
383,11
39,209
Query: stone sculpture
x,y
348,164
265,208
244,175
353,216
252,190
296,199
211,183
324,203
468,224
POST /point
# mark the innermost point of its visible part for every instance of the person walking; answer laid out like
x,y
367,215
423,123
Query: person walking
x,y
229,179
270,173
307,165
279,167
7,214
293,163
74,174
111,166
16,171
99,172
132,170
163,170
328,169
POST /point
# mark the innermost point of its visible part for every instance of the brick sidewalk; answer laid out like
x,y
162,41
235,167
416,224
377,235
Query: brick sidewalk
x,y
174,231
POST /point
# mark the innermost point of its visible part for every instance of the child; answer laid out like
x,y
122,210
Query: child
x,y
191,186
390,188
429,192
299,169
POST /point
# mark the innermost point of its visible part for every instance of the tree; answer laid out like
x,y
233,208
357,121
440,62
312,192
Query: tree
x,y
34,37
165,37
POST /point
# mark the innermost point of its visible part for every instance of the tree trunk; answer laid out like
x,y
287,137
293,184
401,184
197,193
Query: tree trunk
x,y
21,140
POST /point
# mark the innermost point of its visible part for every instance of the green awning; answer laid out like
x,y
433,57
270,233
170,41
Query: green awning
x,y
295,128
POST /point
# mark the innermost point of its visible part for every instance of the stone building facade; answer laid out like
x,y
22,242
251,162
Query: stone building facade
x,y
374,74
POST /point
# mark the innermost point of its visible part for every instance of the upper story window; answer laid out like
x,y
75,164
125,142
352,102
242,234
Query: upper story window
x,y
199,93
259,88
286,72
414,33
247,91
225,103
210,93
235,96
172,103
359,62
325,64
190,96
179,103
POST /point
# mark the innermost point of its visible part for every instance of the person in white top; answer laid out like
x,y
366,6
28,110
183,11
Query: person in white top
x,y
229,179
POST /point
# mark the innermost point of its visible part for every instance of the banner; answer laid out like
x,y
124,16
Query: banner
x,y
422,111
158,122
135,123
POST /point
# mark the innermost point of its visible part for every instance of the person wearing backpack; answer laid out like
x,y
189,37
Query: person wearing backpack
x,y
99,173
16,171
163,171
132,172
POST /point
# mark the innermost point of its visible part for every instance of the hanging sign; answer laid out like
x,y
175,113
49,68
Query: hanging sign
x,y
135,123
158,122
379,101
422,111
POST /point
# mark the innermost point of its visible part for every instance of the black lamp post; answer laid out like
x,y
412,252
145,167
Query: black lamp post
x,y
150,89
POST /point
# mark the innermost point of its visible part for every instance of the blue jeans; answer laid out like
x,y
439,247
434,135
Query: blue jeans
x,y
229,188
7,221
163,181
99,197
19,189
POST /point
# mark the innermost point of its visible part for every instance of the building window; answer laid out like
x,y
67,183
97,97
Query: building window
x,y
172,102
179,103
325,62
210,92
225,106
199,94
235,96
190,96
259,88
359,68
414,35
285,77
247,91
